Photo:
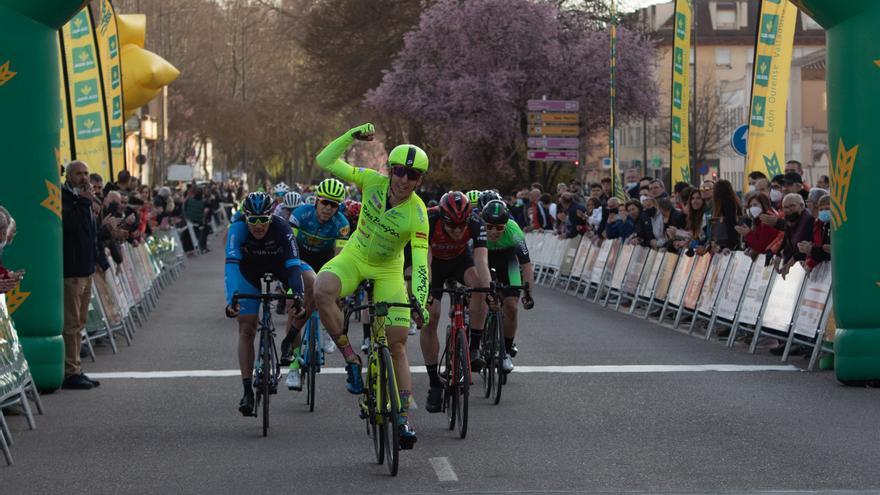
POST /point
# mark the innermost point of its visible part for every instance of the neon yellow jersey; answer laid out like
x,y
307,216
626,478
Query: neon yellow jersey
x,y
382,233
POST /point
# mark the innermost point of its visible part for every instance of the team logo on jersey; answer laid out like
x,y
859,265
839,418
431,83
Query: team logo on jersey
x,y
421,235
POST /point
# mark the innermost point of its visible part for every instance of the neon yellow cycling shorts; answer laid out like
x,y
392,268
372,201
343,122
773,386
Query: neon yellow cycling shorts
x,y
388,284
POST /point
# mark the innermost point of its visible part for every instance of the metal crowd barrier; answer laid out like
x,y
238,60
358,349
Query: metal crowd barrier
x,y
725,295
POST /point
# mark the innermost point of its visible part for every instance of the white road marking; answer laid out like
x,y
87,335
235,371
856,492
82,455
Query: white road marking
x,y
443,469
631,368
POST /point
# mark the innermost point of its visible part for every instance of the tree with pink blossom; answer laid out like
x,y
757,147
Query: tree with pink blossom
x,y
466,73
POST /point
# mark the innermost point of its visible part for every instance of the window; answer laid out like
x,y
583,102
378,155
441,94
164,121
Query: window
x,y
722,57
725,17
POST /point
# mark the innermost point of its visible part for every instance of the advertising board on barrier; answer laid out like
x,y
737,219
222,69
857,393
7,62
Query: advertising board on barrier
x,y
667,269
620,269
815,299
783,299
653,272
733,288
756,289
712,285
598,267
679,279
580,257
695,284
640,264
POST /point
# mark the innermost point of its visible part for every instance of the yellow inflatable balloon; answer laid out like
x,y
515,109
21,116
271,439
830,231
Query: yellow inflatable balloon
x,y
144,73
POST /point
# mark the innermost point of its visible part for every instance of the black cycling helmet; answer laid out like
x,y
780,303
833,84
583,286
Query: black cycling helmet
x,y
485,197
496,212
257,203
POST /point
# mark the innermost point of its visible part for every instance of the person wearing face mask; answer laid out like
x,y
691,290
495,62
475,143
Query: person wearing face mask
x,y
758,236
819,249
777,184
798,226
656,217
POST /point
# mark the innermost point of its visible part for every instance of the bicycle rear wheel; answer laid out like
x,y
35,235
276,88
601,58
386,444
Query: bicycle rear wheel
x,y
487,349
374,428
389,402
497,360
462,383
266,357
450,392
313,363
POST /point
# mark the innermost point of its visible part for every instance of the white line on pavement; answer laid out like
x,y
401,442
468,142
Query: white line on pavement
x,y
443,469
635,368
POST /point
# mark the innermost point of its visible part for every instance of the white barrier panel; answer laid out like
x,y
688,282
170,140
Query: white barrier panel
x,y
638,265
599,265
580,257
783,299
622,265
569,250
815,301
664,279
732,290
756,289
712,285
695,284
679,279
653,273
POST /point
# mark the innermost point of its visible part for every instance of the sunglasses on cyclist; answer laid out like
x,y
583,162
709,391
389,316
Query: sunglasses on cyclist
x,y
327,202
409,173
258,219
453,225
492,226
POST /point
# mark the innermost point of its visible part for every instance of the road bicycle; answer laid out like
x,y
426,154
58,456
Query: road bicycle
x,y
267,372
311,358
380,404
492,346
456,375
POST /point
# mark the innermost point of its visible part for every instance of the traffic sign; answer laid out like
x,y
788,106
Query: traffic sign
x,y
553,106
553,130
550,142
552,118
552,156
739,140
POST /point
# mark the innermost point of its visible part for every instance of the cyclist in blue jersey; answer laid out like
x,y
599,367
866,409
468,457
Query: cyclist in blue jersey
x,y
319,228
257,244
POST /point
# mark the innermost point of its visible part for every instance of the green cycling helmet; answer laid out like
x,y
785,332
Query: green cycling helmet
x,y
473,196
331,189
409,155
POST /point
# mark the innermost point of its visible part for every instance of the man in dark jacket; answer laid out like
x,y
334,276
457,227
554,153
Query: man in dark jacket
x,y
196,211
80,252
798,227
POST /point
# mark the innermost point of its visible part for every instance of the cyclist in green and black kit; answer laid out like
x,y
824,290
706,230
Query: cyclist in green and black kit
x,y
509,256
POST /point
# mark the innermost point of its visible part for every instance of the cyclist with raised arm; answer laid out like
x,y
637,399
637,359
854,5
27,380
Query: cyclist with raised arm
x,y
257,244
457,250
508,255
391,216
319,229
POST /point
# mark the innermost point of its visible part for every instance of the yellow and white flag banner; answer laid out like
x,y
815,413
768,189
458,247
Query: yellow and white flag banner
x,y
681,93
772,66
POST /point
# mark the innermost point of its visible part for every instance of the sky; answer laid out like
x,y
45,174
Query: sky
x,y
630,5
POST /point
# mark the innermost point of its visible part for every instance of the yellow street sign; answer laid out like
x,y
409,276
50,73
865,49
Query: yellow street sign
x,y
552,118
554,130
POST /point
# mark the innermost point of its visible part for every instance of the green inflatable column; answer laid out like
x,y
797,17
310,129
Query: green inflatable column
x,y
29,175
853,40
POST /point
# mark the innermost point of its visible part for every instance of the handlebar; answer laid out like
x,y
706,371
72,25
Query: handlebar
x,y
267,296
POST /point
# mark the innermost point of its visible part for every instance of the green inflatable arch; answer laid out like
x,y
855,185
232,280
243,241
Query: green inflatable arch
x,y
29,177
853,40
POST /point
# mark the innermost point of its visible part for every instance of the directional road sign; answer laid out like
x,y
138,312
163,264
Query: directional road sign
x,y
553,156
554,130
553,118
550,142
739,139
553,106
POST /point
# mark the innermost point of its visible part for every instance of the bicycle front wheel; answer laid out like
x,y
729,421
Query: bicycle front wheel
x,y
374,428
389,403
463,382
266,358
313,363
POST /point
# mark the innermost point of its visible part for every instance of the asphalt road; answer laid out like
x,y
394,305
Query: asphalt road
x,y
583,431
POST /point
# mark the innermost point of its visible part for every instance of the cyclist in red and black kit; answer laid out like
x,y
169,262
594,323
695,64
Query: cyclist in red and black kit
x,y
457,251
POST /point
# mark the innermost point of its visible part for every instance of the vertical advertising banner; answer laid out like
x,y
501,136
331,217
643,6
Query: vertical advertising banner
x,y
63,153
772,65
616,182
680,154
85,94
107,38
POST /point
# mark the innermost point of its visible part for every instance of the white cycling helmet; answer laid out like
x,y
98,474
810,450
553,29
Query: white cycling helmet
x,y
281,188
292,200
